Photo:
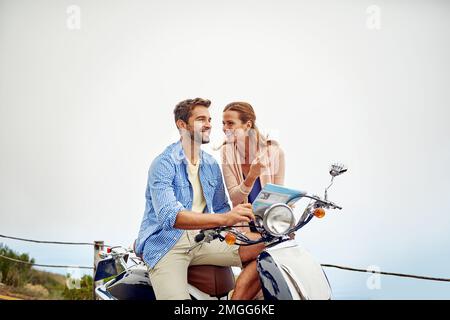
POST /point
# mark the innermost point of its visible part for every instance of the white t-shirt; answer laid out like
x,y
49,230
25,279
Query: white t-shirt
x,y
199,202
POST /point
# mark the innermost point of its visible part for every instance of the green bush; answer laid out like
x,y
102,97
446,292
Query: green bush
x,y
14,273
84,293
36,283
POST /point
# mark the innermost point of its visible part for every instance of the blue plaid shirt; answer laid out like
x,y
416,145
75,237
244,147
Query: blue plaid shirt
x,y
169,191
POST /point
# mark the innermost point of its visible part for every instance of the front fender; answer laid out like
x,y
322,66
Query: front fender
x,y
289,272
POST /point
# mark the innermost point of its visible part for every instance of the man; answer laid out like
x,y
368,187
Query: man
x,y
184,187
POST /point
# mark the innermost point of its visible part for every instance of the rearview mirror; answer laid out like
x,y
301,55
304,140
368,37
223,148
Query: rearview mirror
x,y
336,169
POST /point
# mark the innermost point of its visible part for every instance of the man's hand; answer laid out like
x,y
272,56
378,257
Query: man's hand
x,y
240,213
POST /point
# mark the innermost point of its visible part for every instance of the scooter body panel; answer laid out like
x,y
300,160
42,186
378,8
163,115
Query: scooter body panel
x,y
288,271
131,284
134,284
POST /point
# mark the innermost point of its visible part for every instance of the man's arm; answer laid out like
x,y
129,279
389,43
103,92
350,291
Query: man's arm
x,y
160,185
171,213
189,220
193,220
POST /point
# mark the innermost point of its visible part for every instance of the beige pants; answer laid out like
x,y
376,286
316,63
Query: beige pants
x,y
169,275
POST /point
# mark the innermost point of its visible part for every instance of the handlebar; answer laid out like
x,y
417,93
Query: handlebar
x,y
326,203
199,237
214,233
331,205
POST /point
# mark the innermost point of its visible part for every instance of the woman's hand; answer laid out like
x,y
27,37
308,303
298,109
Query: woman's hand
x,y
257,166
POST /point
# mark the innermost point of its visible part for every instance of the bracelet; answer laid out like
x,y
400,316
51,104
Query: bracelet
x,y
242,191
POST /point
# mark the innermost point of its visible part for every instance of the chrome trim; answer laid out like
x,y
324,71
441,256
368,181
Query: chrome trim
x,y
266,216
294,281
103,294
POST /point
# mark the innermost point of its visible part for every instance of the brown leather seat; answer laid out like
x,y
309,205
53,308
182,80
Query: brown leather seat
x,y
214,280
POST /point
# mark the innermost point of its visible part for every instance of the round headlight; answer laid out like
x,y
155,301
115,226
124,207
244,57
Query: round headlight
x,y
278,219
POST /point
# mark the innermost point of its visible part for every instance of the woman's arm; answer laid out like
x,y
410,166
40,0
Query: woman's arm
x,y
238,192
279,167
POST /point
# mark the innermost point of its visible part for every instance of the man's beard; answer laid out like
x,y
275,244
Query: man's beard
x,y
199,137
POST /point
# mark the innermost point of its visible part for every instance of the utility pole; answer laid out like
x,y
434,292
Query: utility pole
x,y
98,246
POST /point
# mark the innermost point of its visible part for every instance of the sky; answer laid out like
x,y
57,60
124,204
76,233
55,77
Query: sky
x,y
87,90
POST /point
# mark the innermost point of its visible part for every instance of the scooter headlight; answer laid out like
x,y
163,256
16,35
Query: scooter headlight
x,y
278,219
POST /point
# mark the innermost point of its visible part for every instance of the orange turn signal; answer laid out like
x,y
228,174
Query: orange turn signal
x,y
319,212
230,238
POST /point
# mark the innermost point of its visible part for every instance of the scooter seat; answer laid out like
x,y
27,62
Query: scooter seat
x,y
213,280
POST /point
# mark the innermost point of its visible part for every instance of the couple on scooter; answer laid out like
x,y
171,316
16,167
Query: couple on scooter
x,y
184,182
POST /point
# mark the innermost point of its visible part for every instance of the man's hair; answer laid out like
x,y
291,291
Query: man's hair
x,y
183,110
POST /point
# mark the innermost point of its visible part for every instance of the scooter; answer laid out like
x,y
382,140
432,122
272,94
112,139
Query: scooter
x,y
287,271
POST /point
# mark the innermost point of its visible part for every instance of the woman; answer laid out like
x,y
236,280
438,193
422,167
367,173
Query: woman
x,y
249,160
